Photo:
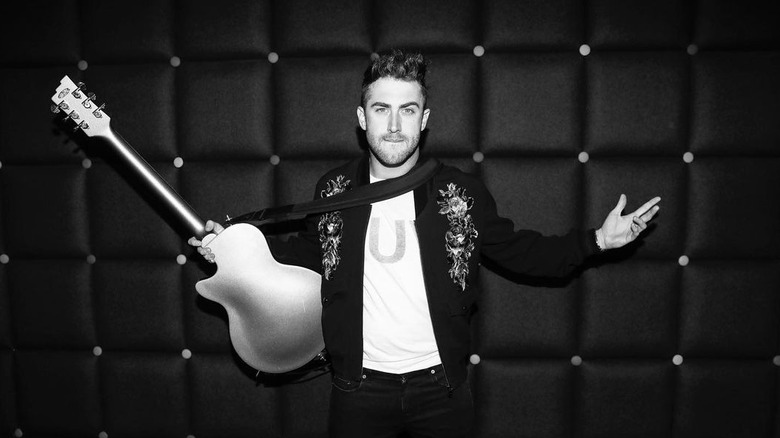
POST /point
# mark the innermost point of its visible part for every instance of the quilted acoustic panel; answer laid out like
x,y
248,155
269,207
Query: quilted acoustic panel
x,y
559,106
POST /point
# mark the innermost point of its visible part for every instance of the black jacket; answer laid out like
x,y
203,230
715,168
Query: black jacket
x,y
450,300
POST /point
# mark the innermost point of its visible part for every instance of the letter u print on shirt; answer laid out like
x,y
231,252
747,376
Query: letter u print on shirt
x,y
400,241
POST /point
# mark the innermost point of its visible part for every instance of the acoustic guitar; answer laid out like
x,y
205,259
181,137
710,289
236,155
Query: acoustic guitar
x,y
274,310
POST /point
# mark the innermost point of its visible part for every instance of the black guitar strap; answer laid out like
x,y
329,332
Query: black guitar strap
x,y
361,195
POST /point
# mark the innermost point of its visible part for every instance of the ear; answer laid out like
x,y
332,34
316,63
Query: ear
x,y
426,113
361,115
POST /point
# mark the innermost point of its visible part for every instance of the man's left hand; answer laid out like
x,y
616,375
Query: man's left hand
x,y
620,230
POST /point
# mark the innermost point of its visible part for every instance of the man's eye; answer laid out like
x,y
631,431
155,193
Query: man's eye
x,y
408,111
380,109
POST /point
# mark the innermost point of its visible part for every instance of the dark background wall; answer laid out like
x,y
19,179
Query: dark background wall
x,y
559,105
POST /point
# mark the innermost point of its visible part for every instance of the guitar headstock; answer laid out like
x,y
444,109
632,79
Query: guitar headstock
x,y
78,105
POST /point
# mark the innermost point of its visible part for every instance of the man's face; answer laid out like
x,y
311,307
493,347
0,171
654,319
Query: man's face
x,y
393,118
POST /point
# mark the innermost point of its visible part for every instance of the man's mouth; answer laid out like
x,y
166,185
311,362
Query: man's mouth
x,y
393,139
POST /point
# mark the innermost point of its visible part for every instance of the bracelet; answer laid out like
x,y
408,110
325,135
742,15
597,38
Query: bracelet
x,y
596,238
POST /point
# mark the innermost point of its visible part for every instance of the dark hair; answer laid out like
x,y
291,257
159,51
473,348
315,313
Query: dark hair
x,y
397,64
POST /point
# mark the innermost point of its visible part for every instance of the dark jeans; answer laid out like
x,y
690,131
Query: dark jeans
x,y
386,405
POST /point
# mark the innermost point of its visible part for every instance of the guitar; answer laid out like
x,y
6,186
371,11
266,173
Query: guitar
x,y
273,309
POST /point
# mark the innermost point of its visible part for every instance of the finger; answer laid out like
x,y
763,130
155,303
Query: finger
x,y
218,228
646,206
640,223
193,241
649,215
620,205
209,225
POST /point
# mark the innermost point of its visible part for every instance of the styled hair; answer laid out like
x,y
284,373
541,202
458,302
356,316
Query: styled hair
x,y
397,64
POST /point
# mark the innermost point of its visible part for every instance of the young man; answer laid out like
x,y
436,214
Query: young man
x,y
399,277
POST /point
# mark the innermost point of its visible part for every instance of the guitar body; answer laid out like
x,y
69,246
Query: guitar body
x,y
273,309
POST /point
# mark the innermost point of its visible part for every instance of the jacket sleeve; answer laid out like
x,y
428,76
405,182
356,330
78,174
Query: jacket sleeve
x,y
302,249
529,252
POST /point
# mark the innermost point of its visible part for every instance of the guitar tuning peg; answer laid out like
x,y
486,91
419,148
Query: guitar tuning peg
x,y
82,125
55,108
98,112
88,101
77,92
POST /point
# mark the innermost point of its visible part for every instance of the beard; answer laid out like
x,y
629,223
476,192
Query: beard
x,y
392,150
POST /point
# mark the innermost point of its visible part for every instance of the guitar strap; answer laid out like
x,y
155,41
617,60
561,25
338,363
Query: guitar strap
x,y
361,195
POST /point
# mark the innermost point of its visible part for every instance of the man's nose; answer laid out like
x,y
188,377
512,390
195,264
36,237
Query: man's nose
x,y
394,124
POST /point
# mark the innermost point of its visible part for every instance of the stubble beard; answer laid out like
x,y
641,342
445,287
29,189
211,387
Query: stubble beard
x,y
391,154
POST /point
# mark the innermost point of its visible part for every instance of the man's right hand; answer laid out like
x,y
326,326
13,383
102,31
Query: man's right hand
x,y
204,250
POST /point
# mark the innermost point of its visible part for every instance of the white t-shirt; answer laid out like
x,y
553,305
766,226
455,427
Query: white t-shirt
x,y
397,329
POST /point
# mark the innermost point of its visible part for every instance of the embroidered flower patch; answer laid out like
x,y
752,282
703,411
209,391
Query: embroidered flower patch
x,y
458,239
330,228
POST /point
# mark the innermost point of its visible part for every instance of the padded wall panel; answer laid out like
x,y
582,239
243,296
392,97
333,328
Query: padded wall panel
x,y
8,395
624,398
437,25
735,185
127,31
616,123
54,24
615,24
151,288
207,30
205,321
215,382
712,394
735,98
244,186
118,205
531,103
630,309
26,129
58,224
543,322
144,394
59,393
727,25
542,408
452,124
5,309
317,112
140,101
530,25
537,193
47,317
730,309
225,107
336,27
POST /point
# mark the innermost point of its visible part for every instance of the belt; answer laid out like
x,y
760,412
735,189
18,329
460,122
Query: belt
x,y
367,372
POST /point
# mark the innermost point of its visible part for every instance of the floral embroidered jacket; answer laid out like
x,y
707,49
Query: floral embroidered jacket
x,y
457,224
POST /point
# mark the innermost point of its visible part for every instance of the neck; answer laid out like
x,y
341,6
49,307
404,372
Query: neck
x,y
379,170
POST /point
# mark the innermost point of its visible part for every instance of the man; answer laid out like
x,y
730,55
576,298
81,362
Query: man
x,y
400,276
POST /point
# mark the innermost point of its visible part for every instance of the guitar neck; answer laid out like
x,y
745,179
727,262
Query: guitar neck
x,y
78,105
153,182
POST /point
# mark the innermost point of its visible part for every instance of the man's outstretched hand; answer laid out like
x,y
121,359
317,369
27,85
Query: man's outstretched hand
x,y
619,230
